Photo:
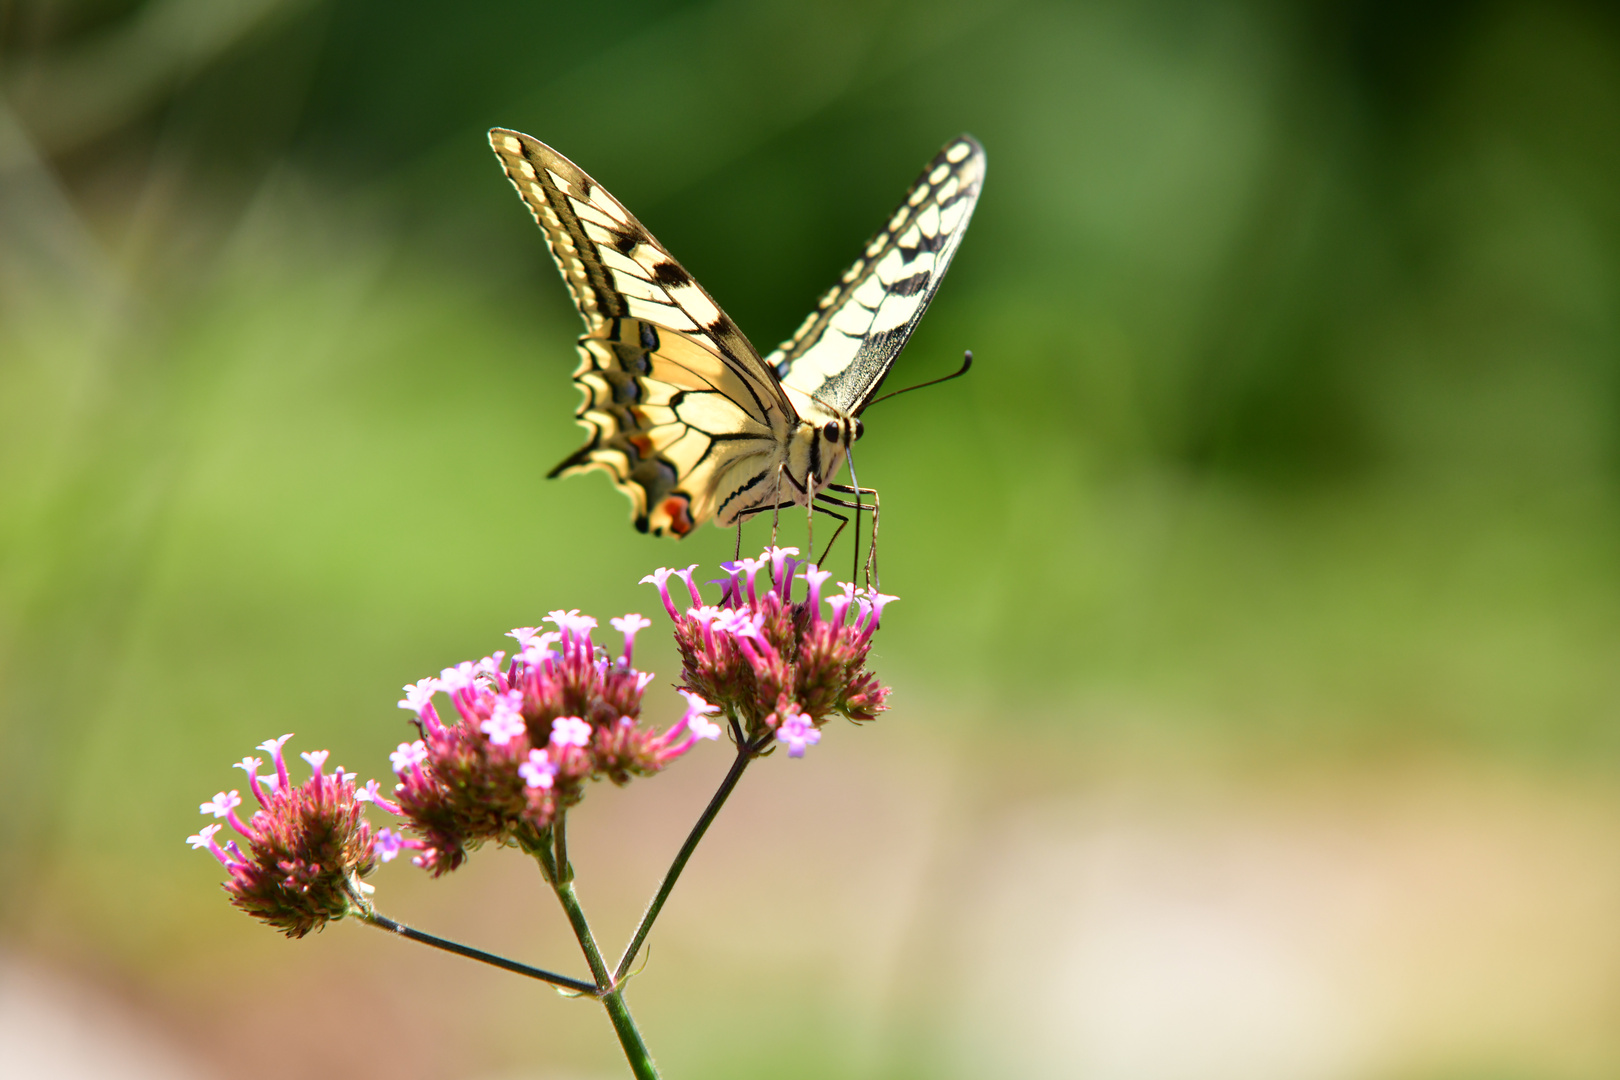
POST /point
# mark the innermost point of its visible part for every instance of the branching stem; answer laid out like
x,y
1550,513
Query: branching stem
x,y
383,922
611,995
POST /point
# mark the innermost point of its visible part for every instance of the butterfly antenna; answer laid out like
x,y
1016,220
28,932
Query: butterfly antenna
x,y
967,365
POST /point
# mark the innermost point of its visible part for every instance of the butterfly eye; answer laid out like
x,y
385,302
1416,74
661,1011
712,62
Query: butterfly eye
x,y
860,429
829,430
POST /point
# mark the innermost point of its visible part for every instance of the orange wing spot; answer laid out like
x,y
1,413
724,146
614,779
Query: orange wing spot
x,y
680,517
642,444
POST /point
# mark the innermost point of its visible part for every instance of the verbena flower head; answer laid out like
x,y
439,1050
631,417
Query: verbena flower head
x,y
528,733
775,663
303,852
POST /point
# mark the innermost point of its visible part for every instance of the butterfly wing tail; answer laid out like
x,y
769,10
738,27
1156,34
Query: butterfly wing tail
x,y
579,459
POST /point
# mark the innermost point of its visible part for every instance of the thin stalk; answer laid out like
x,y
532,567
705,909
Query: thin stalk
x,y
745,754
383,922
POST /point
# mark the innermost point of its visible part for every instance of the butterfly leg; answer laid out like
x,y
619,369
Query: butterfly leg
x,y
750,512
736,556
810,525
781,471
823,500
819,508
858,505
805,489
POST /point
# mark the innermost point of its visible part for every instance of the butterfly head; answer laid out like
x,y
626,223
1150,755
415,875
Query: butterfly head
x,y
843,431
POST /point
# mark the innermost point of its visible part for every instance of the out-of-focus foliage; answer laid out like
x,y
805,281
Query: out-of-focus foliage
x,y
1295,426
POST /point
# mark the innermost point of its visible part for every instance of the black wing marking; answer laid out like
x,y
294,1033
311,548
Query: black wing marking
x,y
844,349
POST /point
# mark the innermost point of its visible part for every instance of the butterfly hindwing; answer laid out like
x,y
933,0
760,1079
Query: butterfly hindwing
x,y
843,350
674,425
681,409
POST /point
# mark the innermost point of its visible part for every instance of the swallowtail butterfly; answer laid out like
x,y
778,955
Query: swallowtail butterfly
x,y
683,413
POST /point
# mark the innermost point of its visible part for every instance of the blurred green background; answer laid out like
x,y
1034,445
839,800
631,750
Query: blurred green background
x,y
1257,706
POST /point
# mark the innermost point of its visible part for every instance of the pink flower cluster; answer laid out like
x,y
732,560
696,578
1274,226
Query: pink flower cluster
x,y
306,847
773,663
528,734
529,730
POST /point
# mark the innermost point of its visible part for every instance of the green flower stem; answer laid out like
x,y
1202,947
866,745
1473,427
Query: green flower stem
x,y
383,922
746,752
564,871
612,997
640,1058
582,931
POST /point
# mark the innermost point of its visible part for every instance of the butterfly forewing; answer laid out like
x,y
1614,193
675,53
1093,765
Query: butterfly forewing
x,y
681,409
843,350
